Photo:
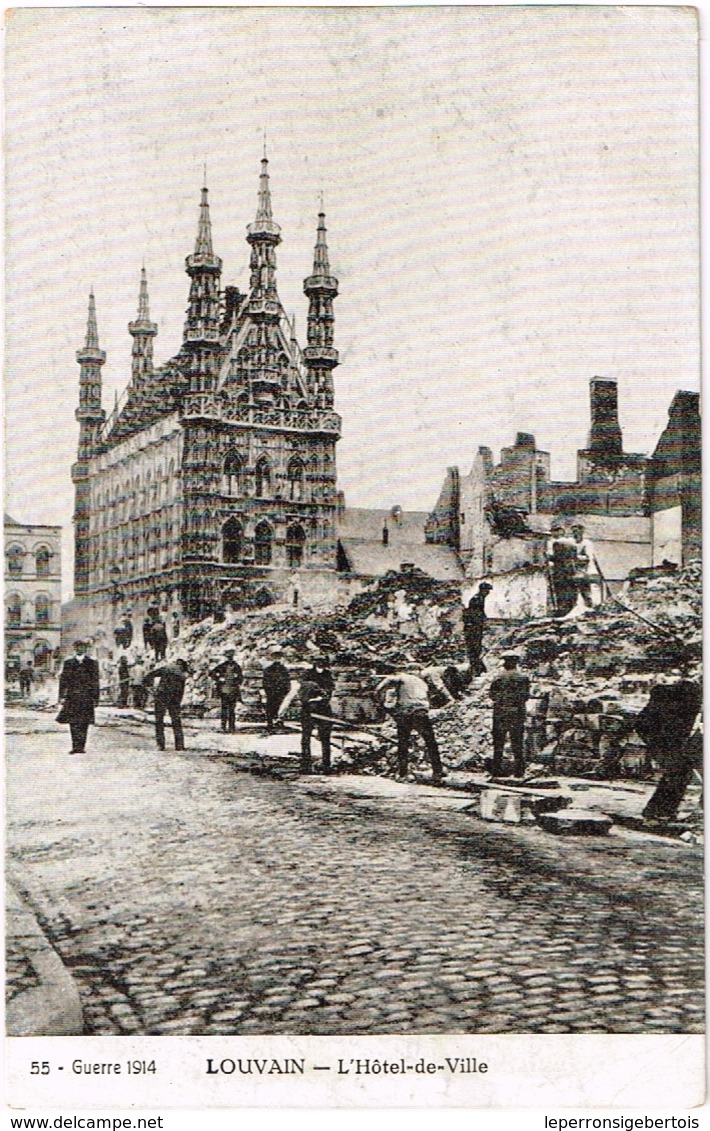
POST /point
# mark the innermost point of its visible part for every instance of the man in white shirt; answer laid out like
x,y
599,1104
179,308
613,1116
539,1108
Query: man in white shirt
x,y
407,700
585,565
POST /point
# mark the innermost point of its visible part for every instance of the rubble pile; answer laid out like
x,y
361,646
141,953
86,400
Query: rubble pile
x,y
590,676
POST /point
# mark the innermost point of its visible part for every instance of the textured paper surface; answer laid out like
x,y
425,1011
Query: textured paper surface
x,y
512,203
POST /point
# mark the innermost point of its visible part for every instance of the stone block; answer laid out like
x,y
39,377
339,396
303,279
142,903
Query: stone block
x,y
575,822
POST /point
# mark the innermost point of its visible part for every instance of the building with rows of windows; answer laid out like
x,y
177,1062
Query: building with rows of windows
x,y
33,594
213,482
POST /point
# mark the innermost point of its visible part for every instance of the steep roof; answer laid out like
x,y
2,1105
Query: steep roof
x,y
371,559
9,521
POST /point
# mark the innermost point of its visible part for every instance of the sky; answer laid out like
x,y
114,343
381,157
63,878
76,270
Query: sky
x,y
511,198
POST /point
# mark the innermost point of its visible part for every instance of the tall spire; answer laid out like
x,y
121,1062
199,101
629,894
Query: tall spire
x,y
92,333
201,331
264,237
142,331
203,243
91,418
264,225
143,308
321,266
320,356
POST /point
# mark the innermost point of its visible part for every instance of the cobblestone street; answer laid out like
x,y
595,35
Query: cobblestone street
x,y
187,898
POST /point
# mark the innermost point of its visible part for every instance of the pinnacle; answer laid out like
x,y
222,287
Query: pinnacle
x,y
92,333
203,244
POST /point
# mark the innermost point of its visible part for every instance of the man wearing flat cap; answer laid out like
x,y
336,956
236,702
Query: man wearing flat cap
x,y
474,622
276,682
78,694
228,681
510,692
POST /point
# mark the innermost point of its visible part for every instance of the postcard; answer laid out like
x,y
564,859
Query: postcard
x,y
353,625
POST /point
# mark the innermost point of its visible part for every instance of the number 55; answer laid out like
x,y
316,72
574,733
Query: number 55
x,y
38,1069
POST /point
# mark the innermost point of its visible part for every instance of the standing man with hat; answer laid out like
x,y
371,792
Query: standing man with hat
x,y
510,692
228,680
561,553
276,682
78,694
474,623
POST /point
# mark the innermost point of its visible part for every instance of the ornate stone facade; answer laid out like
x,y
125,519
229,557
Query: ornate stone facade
x,y
213,482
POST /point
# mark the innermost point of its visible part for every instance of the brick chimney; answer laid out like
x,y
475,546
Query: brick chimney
x,y
605,433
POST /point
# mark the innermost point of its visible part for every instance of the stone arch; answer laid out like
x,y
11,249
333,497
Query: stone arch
x,y
232,541
263,477
232,474
295,543
296,476
263,543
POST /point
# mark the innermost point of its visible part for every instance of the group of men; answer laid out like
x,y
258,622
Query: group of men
x,y
666,725
155,633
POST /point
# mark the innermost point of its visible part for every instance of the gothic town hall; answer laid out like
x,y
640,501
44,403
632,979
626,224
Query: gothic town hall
x,y
213,482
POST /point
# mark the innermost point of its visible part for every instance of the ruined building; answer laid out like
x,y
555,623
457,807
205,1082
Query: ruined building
x,y
213,481
639,511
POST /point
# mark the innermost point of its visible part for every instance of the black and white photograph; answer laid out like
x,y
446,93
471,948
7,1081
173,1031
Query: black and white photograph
x,y
353,609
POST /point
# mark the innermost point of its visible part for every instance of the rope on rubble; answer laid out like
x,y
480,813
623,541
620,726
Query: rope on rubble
x,y
667,632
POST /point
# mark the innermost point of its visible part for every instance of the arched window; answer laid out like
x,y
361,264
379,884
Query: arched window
x,y
42,654
232,539
263,478
295,539
15,555
296,479
14,609
42,560
42,609
263,537
232,475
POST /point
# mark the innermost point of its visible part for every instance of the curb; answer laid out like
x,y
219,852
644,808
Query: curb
x,y
53,1008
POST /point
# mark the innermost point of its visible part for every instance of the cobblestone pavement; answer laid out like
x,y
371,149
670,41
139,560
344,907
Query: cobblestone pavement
x,y
187,898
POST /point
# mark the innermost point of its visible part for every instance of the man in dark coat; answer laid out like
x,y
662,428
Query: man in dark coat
x,y
314,690
124,681
228,680
78,694
666,724
159,638
168,697
510,692
26,677
474,622
561,564
148,624
276,682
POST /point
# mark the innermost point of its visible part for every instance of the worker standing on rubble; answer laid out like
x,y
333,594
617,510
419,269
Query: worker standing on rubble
x,y
276,682
406,697
667,725
510,692
474,623
561,565
228,677
585,565
314,690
